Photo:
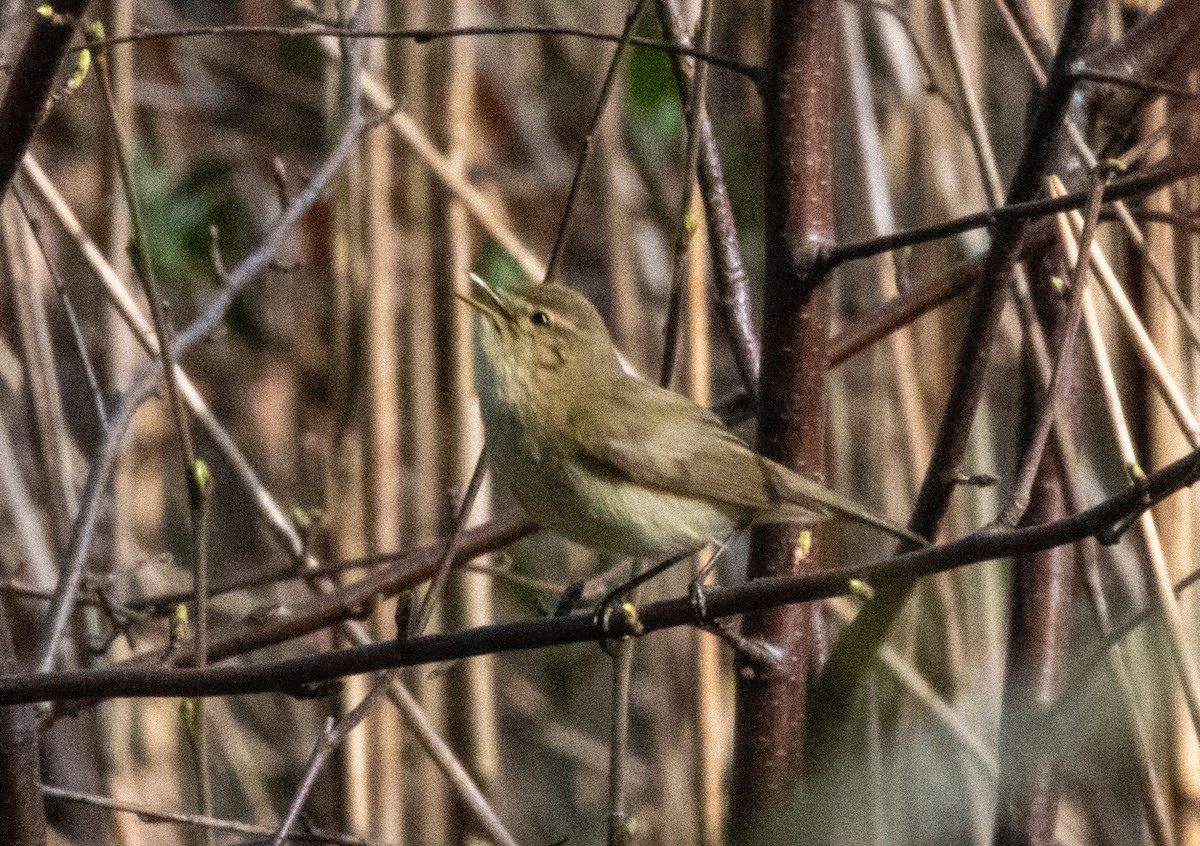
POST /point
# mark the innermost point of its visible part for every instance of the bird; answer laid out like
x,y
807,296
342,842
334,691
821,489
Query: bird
x,y
608,459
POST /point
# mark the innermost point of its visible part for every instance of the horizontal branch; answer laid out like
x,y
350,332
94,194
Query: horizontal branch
x,y
424,36
304,676
1172,169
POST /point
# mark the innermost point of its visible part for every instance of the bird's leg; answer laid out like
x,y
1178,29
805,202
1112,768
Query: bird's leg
x,y
755,652
637,581
569,600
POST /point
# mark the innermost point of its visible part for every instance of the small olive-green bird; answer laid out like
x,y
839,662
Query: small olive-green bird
x,y
610,460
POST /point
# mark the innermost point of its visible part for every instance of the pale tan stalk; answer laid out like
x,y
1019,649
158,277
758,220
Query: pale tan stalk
x,y
381,737
424,489
713,708
1182,644
264,501
1143,345
469,594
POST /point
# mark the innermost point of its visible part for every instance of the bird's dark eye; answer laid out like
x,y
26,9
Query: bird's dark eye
x,y
539,318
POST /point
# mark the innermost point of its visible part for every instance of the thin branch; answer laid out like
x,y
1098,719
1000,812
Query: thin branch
x,y
31,80
155,815
1031,461
144,383
426,36
685,226
1105,522
330,740
420,619
585,152
729,272
850,660
1155,177
64,296
1146,86
619,825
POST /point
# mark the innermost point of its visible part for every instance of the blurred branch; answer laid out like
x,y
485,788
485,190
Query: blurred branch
x,y
729,273
685,226
331,739
1145,86
425,36
1104,522
155,815
1164,172
21,807
196,478
32,77
585,152
350,601
144,383
1164,39
35,226
850,660
1025,30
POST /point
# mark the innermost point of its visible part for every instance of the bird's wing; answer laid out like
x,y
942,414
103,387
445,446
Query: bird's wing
x,y
660,439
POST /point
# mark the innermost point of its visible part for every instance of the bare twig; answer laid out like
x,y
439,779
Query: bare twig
x,y
64,296
1180,640
330,740
619,824
1031,461
155,815
420,618
851,657
729,272
426,36
1168,170
1102,522
685,225
585,152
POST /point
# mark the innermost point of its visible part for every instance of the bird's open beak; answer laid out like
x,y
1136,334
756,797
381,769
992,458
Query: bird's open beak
x,y
486,300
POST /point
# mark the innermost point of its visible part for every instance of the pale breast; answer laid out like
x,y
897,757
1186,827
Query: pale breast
x,y
600,513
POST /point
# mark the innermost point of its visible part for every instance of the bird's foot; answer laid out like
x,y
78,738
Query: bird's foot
x,y
757,655
569,600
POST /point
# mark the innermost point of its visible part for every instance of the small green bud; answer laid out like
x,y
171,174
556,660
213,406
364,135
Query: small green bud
x,y
803,546
862,590
203,477
181,627
189,712
81,71
45,10
690,224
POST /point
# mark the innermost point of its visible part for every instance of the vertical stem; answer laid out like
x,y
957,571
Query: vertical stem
x,y
382,737
24,820
470,594
729,274
710,753
585,153
1041,589
30,81
622,675
431,813
850,661
770,716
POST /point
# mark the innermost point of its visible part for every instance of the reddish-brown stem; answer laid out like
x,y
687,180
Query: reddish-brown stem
x,y
1040,589
799,224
